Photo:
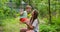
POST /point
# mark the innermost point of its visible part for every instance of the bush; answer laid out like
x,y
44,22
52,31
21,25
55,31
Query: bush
x,y
49,28
56,20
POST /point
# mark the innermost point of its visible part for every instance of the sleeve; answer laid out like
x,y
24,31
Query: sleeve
x,y
25,14
35,23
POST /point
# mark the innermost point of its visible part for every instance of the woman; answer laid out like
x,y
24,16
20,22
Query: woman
x,y
33,23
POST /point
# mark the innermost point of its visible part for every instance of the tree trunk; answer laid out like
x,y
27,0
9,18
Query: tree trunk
x,y
49,12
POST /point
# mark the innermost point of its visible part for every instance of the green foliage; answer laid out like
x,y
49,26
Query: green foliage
x,y
42,6
56,20
11,25
7,15
17,2
6,11
49,28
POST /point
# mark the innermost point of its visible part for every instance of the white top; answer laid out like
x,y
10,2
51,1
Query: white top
x,y
24,15
35,24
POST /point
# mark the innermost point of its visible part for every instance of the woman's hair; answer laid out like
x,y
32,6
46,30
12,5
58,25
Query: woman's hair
x,y
35,15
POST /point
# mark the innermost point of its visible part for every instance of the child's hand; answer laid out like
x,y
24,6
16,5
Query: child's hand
x,y
27,22
21,13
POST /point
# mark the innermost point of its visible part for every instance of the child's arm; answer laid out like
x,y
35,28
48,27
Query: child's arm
x,y
21,13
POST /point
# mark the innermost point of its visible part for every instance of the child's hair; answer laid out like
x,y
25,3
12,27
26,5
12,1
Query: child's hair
x,y
28,6
35,15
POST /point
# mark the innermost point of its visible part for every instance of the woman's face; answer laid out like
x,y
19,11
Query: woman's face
x,y
33,14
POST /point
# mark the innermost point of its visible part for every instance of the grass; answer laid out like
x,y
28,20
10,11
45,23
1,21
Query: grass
x,y
11,25
14,25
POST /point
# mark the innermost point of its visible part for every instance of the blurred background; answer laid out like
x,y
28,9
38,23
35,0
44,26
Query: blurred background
x,y
49,14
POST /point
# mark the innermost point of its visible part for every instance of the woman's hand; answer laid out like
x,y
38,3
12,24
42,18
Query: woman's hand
x,y
29,24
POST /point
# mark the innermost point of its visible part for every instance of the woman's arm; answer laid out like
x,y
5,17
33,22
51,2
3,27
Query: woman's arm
x,y
30,26
35,23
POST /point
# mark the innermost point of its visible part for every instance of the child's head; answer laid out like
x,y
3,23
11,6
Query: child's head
x,y
28,8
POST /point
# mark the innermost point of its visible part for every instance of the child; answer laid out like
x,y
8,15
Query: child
x,y
23,15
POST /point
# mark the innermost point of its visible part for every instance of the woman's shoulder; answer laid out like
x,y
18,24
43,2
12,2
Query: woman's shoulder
x,y
36,20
